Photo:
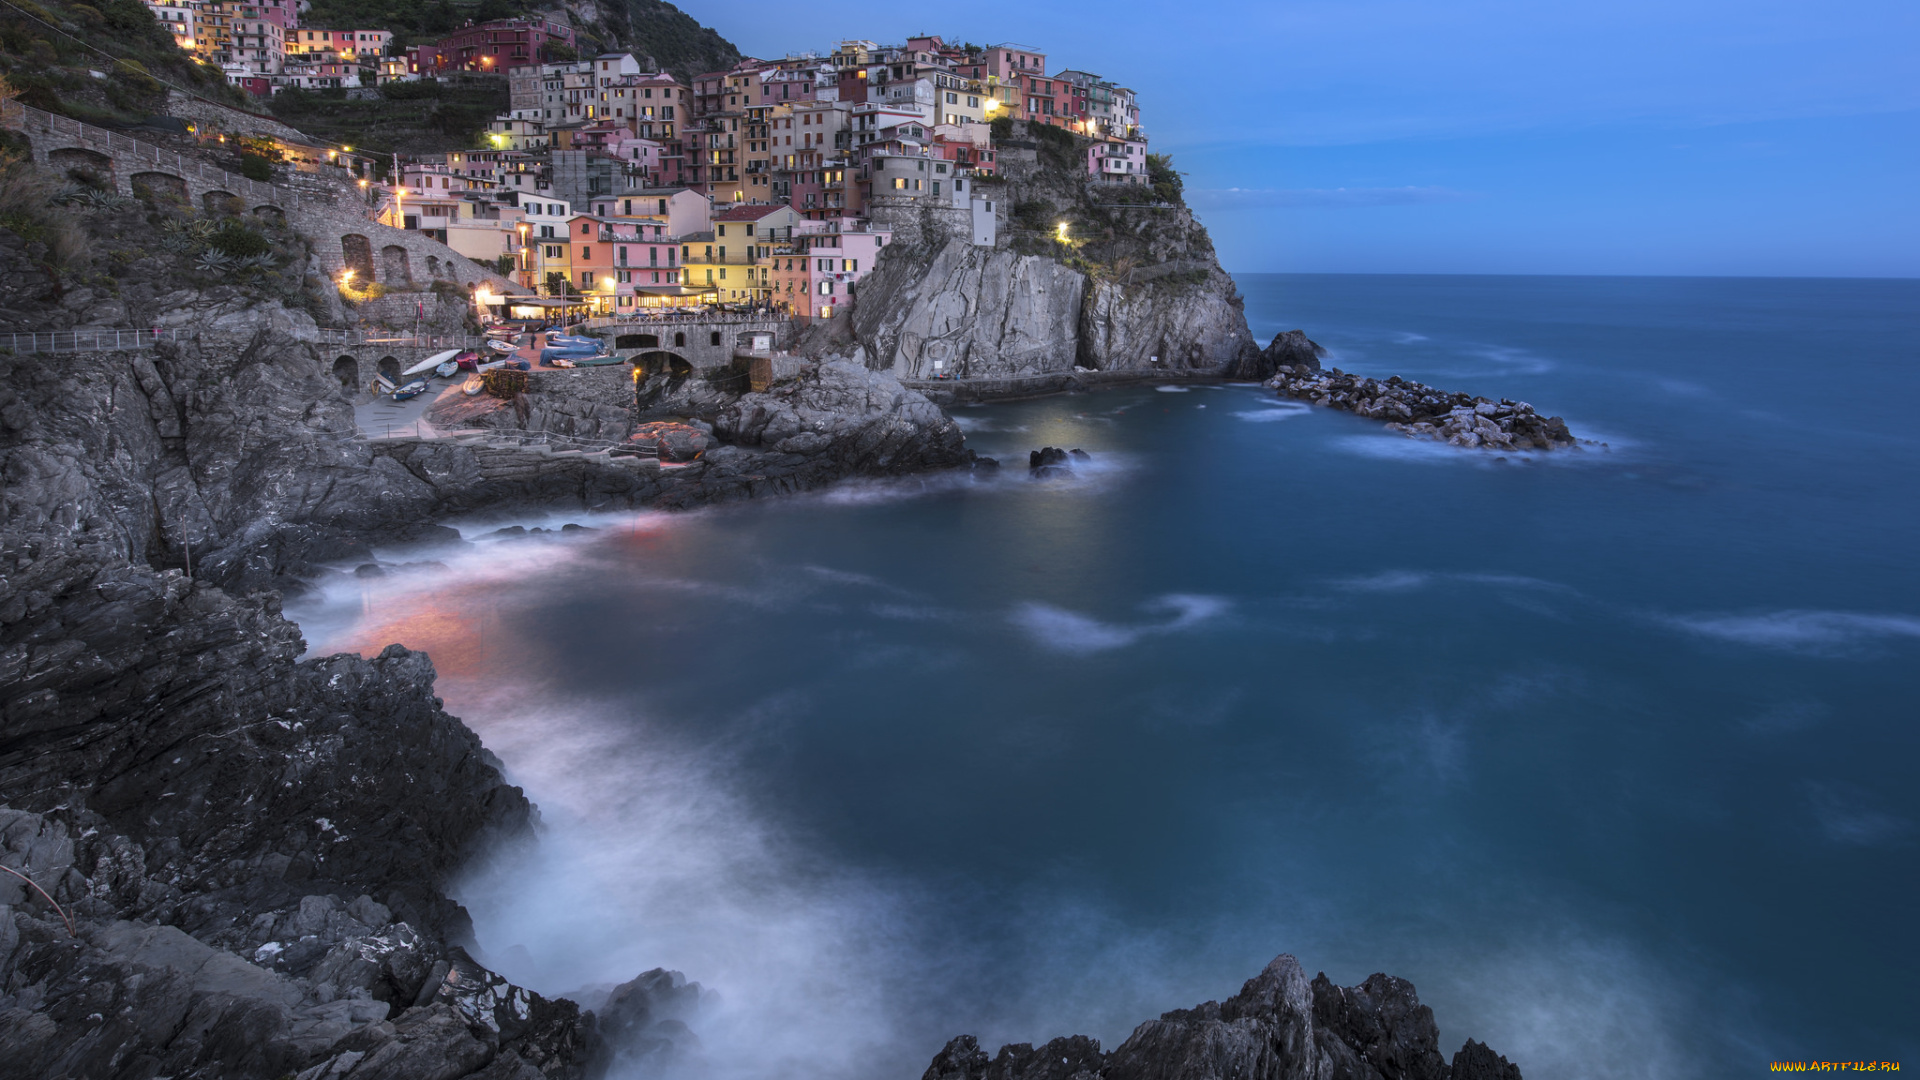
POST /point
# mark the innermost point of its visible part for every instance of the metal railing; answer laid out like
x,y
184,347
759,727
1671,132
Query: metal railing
x,y
67,341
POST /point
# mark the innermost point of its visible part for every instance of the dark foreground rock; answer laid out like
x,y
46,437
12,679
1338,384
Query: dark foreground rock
x,y
1280,1026
1421,411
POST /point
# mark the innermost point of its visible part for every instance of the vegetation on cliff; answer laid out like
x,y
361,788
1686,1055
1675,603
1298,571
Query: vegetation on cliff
x,y
108,62
410,117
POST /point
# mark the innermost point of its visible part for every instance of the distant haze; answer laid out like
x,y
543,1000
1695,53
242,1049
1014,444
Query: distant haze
x,y
1637,137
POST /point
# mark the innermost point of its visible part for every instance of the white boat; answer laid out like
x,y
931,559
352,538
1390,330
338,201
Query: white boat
x,y
473,385
432,362
490,365
446,370
503,346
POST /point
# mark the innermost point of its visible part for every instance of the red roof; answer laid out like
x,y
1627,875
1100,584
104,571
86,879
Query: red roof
x,y
746,213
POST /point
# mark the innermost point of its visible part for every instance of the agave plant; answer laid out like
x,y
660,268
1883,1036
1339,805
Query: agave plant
x,y
216,262
262,261
68,194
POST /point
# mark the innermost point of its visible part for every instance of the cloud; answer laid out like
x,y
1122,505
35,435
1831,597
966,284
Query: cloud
x,y
1071,632
1321,198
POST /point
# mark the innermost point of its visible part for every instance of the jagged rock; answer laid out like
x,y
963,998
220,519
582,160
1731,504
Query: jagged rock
x,y
643,1024
1280,1026
864,420
1290,349
1420,411
668,441
1047,457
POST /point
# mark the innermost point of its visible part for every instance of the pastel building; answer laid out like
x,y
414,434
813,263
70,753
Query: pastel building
x,y
819,272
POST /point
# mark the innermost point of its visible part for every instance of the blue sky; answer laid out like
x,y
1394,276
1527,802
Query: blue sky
x,y
1484,136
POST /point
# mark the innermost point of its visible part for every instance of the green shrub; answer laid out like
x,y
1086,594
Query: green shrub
x,y
255,167
236,239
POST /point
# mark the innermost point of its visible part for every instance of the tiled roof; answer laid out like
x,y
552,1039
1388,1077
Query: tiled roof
x,y
746,213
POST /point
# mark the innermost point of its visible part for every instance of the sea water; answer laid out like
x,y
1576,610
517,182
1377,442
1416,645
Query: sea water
x,y
1610,751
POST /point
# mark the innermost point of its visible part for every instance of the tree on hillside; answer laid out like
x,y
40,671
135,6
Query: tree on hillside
x,y
1166,182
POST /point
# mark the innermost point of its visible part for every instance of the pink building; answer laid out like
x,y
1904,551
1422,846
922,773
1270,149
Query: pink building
x,y
1120,161
821,272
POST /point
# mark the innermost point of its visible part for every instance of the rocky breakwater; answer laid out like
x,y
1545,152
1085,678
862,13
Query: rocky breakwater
x,y
1291,365
1280,1026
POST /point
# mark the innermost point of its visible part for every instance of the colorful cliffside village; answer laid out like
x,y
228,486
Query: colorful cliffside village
x,y
773,184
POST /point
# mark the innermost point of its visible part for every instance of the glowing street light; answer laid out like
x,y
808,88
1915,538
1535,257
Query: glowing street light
x,y
1062,233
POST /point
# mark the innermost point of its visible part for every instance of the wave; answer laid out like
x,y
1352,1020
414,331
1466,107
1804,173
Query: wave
x,y
1812,632
1277,410
1076,634
1171,389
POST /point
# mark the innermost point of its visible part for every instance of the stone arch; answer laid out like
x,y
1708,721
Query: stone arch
x,y
713,337
680,339
271,213
160,186
83,165
394,267
356,253
225,203
347,370
433,266
637,341
389,366
663,363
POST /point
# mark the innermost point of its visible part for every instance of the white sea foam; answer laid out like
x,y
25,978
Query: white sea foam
x,y
1171,389
1275,410
1071,632
1812,632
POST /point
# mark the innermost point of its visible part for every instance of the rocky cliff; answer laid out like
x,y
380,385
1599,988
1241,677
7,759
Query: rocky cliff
x,y
1280,1026
222,861
1133,287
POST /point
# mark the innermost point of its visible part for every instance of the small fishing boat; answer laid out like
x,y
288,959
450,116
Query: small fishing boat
x,y
431,362
382,384
491,365
411,390
473,385
446,370
466,360
561,362
503,346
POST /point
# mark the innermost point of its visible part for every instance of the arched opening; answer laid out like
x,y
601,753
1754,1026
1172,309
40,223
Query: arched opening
x,y
680,340
347,370
390,367
356,253
656,374
83,166
636,341
663,363
160,187
394,269
224,203
271,213
713,337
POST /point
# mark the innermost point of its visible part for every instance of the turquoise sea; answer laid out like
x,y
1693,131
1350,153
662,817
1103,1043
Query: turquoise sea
x,y
1611,751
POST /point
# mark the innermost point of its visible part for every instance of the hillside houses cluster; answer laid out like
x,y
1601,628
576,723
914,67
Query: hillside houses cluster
x,y
773,184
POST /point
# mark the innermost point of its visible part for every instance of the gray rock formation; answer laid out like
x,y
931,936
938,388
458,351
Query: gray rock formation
x,y
982,312
1288,350
1420,411
864,420
1280,1026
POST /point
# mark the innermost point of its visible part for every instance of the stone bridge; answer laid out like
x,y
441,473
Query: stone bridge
x,y
331,213
690,344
